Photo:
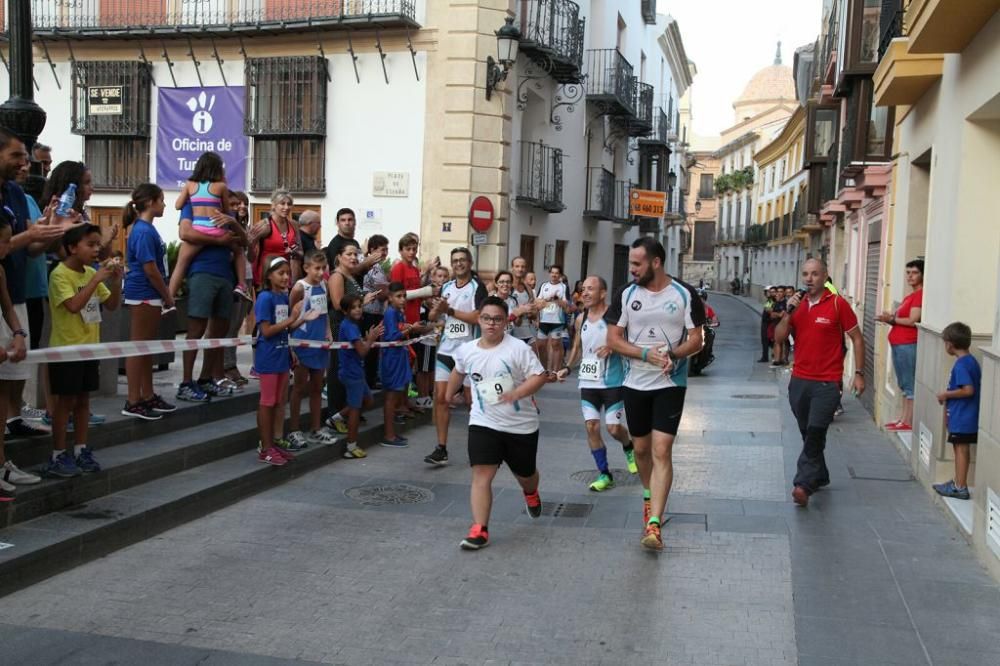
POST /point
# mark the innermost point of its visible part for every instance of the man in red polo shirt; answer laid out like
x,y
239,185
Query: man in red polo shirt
x,y
819,320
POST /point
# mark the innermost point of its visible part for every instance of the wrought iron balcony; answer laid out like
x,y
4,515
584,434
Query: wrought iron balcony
x,y
173,18
541,177
891,22
642,123
649,12
552,36
658,135
610,84
600,194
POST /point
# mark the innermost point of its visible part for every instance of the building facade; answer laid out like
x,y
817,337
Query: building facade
x,y
699,261
938,75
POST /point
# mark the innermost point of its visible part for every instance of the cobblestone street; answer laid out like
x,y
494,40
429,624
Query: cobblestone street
x,y
871,573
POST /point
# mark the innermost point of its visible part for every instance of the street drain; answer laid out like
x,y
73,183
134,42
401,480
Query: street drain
x,y
621,476
754,396
396,493
567,510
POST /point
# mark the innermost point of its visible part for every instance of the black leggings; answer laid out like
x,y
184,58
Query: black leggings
x,y
36,319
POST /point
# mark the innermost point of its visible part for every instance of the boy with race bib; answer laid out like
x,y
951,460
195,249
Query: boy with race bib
x,y
503,422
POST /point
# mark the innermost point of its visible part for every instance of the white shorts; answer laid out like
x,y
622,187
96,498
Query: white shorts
x,y
15,372
443,365
155,302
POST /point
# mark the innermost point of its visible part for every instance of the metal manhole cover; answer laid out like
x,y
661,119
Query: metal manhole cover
x,y
396,493
754,396
566,510
621,476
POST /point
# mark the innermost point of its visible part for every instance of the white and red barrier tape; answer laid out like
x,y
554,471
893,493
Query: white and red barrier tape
x,y
106,350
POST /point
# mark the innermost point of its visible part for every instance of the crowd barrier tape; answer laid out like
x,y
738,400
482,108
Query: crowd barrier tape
x,y
108,350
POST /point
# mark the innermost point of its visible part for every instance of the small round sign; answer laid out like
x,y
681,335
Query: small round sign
x,y
481,214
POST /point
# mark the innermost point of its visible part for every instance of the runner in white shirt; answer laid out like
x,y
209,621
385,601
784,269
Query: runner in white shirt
x,y
601,373
524,325
460,301
553,303
658,325
503,423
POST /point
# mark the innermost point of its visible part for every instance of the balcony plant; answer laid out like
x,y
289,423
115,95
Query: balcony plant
x,y
723,184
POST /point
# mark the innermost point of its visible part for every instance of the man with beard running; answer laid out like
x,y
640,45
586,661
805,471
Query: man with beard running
x,y
460,302
601,373
658,322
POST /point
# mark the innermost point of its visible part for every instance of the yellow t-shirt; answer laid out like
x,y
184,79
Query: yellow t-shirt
x,y
70,328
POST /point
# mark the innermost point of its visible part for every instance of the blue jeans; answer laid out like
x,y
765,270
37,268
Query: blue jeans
x,y
904,361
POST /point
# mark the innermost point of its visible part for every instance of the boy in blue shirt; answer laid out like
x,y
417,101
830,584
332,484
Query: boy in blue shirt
x,y
962,406
351,371
394,364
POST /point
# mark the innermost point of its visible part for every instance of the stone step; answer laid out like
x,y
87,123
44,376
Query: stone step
x,y
143,507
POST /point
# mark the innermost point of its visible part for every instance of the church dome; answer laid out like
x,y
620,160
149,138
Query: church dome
x,y
769,84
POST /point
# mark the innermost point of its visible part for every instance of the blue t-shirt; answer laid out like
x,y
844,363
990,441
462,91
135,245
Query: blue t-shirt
x,y
144,245
963,413
351,363
393,320
15,211
38,273
212,259
272,354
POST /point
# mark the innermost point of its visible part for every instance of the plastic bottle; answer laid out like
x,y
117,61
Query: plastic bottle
x,y
66,201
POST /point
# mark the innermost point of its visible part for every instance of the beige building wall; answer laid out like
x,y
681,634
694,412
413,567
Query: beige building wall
x,y
704,210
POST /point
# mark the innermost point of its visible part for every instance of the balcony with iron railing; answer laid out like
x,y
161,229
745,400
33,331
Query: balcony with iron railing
x,y
661,125
541,178
103,19
649,11
830,42
610,83
600,194
552,36
642,123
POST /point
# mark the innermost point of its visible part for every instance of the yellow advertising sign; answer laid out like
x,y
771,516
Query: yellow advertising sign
x,y
647,203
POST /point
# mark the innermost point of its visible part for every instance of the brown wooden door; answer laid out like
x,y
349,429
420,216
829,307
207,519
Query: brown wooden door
x,y
528,251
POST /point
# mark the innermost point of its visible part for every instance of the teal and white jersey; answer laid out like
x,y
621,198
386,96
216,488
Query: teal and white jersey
x,y
594,372
553,312
467,298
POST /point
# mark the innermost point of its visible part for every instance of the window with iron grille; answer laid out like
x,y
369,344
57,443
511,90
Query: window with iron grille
x,y
286,117
116,146
706,188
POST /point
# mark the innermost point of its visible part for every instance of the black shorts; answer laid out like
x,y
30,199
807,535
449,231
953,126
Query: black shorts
x,y
492,447
426,355
659,409
963,437
74,377
549,329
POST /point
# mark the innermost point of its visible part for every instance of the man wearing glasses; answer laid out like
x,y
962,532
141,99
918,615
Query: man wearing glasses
x,y
503,422
460,302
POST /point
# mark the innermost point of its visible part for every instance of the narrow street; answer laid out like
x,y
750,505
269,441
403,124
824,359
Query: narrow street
x,y
870,573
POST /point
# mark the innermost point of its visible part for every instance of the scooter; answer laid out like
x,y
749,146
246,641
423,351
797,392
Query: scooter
x,y
704,358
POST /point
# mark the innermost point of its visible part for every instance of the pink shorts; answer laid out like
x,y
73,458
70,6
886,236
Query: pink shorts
x,y
209,230
273,388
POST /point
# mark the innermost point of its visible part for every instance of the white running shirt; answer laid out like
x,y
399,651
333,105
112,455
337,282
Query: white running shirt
x,y
493,371
461,299
553,312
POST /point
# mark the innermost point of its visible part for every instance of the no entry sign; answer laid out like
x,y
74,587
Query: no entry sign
x,y
481,214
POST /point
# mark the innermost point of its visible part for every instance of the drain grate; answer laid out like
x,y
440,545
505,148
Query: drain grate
x,y
566,510
621,476
396,493
754,396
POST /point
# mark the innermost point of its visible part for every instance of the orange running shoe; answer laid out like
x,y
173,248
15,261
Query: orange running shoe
x,y
478,538
534,504
651,539
647,511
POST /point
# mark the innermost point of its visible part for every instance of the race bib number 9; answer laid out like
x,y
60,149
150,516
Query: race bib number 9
x,y
91,312
490,390
592,369
456,328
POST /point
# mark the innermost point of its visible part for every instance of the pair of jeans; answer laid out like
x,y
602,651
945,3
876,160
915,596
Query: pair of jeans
x,y
813,404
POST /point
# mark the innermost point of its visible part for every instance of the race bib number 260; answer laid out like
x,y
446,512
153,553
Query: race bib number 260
x,y
456,328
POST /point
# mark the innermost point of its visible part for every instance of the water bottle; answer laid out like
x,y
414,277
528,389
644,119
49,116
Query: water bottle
x,y
66,201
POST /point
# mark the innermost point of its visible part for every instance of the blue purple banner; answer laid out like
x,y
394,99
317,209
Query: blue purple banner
x,y
192,121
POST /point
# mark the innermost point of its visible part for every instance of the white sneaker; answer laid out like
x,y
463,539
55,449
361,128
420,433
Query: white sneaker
x,y
11,474
425,402
323,436
32,413
298,439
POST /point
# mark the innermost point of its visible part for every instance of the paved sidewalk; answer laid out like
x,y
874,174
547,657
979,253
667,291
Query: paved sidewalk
x,y
319,570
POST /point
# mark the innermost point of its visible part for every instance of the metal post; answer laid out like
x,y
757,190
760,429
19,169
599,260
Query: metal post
x,y
19,113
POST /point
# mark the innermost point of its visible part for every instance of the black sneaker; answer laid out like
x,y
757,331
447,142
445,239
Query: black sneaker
x,y
18,428
478,538
160,406
439,456
140,410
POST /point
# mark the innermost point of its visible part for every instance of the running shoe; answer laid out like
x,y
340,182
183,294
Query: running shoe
x,y
652,539
272,456
424,402
647,511
160,406
399,419
86,462
298,441
534,504
18,428
800,496
399,442
191,392
353,451
253,373
215,388
323,436
337,422
242,292
8,493
11,474
63,467
96,419
439,456
285,447
140,410
478,538
949,489
32,413
325,393
412,392
630,461
602,483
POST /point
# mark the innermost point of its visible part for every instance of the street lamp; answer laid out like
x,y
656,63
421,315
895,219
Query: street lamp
x,y
508,39
671,179
19,113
